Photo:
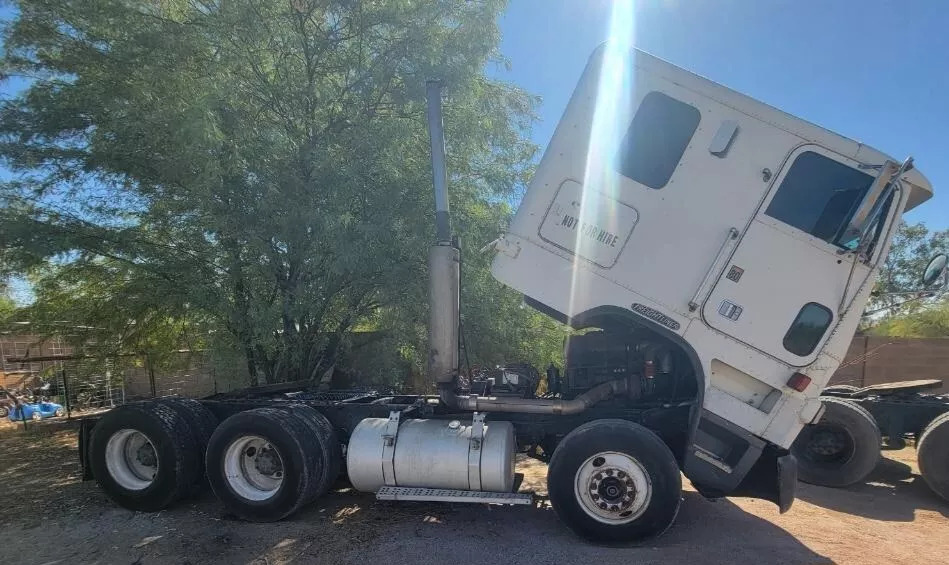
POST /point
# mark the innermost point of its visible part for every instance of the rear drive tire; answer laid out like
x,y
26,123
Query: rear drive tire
x,y
264,464
614,481
839,450
201,421
143,456
932,454
328,442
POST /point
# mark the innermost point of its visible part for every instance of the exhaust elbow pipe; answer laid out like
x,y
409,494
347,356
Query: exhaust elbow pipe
x,y
554,406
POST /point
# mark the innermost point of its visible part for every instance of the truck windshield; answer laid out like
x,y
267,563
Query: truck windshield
x,y
819,196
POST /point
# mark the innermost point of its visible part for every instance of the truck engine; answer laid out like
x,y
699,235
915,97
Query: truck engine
x,y
649,365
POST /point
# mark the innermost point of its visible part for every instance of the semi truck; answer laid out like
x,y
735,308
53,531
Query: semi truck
x,y
843,448
711,255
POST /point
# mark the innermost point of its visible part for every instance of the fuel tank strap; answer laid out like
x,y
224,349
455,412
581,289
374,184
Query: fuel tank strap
x,y
474,451
389,439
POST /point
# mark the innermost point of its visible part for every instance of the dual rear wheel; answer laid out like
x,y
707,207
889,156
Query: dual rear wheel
x,y
609,480
263,464
843,448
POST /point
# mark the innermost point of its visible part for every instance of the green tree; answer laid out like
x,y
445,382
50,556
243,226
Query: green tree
x,y
7,306
931,320
912,248
255,171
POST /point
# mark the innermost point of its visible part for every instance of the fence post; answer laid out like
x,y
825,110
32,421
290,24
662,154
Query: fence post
x,y
66,393
151,375
863,364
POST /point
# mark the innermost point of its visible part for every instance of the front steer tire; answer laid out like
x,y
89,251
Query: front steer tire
x,y
264,464
613,460
173,452
839,450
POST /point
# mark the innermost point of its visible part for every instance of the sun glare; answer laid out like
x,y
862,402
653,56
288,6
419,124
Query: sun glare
x,y
610,117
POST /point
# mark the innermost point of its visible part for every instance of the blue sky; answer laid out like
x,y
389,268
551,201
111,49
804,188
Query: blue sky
x,y
871,70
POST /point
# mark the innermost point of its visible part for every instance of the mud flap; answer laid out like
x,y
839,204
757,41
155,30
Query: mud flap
x,y
726,460
773,477
85,435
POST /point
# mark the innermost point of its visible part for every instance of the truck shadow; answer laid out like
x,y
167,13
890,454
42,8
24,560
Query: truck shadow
x,y
705,532
892,493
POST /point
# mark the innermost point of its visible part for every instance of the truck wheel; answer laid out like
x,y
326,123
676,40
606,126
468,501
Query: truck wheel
x,y
614,481
201,421
932,454
264,464
329,445
143,456
839,450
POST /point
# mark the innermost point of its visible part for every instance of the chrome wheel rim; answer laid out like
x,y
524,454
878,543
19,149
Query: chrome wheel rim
x,y
131,459
253,468
613,488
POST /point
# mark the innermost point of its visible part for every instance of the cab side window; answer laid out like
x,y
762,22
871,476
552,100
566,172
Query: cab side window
x,y
820,196
807,329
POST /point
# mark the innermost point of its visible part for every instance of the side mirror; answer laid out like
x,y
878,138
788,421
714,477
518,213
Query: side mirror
x,y
935,270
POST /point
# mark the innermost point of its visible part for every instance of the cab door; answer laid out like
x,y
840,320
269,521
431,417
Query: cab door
x,y
782,287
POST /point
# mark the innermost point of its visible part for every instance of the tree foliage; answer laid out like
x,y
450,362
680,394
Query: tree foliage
x,y
909,313
912,248
931,320
7,306
256,172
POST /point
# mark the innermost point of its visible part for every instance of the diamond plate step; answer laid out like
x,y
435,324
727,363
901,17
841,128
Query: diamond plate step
x,y
415,494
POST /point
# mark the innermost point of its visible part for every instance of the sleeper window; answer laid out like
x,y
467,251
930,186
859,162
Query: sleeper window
x,y
658,136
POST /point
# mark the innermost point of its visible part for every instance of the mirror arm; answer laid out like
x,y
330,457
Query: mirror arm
x,y
907,301
920,294
891,182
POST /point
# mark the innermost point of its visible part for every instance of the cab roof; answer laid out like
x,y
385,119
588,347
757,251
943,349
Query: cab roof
x,y
921,189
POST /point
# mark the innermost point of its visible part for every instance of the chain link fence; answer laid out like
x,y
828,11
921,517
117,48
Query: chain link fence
x,y
34,370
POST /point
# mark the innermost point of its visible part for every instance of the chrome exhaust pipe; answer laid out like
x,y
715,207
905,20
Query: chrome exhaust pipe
x,y
444,259
444,264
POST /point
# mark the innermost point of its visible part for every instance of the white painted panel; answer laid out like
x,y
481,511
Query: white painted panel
x,y
741,385
592,225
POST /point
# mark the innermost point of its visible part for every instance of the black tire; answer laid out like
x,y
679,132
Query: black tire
x,y
4,411
839,450
301,459
932,455
201,421
580,450
174,450
328,442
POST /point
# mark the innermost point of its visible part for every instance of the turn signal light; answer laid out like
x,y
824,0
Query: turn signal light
x,y
799,382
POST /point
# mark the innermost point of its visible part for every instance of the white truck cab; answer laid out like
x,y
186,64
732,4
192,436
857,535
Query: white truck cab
x,y
714,255
748,237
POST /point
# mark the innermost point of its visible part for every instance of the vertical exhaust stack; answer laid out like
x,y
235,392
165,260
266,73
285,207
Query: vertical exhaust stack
x,y
444,262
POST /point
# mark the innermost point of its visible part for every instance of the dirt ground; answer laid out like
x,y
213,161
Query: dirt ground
x,y
49,516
